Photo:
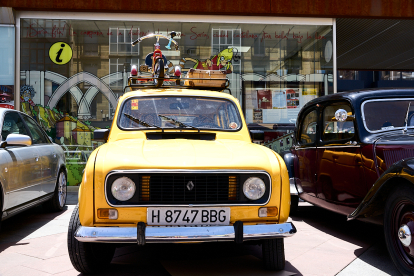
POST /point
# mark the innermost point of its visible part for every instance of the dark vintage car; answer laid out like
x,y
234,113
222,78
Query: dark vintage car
x,y
353,155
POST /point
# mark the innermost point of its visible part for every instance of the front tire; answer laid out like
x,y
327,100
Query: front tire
x,y
273,251
87,258
58,201
398,217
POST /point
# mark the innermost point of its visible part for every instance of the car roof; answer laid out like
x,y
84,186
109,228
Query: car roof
x,y
176,92
357,96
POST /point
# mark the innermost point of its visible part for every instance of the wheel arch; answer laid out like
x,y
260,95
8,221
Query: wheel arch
x,y
373,204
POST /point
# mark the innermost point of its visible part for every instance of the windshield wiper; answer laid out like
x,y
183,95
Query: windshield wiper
x,y
181,124
406,119
138,121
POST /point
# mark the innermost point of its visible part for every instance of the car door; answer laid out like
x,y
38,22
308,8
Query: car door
x,y
305,150
48,157
23,172
340,177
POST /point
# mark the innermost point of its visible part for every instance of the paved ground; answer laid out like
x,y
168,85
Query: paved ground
x,y
34,243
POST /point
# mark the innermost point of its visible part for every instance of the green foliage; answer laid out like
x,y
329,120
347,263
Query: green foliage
x,y
75,169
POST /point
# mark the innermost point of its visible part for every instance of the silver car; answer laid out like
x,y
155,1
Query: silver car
x,y
32,168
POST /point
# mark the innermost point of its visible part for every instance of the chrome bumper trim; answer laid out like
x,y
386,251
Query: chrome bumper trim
x,y
183,234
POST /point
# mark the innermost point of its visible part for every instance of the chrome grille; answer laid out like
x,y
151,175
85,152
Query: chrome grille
x,y
189,188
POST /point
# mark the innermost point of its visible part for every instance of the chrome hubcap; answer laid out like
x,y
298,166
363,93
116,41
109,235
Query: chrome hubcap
x,y
404,234
62,189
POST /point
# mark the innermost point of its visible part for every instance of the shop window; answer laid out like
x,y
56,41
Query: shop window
x,y
390,75
347,75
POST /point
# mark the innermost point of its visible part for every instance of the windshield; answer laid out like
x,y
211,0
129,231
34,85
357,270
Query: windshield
x,y
179,112
386,114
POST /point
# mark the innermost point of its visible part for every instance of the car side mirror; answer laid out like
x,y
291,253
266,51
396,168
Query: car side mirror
x,y
101,135
16,140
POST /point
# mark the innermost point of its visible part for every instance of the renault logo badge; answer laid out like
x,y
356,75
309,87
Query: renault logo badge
x,y
190,185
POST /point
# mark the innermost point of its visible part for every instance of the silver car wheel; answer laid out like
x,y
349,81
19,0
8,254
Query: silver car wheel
x,y
62,188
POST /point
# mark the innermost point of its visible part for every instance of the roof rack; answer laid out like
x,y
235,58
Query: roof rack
x,y
215,84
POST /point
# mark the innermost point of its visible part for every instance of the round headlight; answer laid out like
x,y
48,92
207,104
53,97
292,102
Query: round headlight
x,y
254,188
123,188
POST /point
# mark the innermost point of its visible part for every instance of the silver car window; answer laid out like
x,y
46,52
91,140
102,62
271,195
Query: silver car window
x,y
12,124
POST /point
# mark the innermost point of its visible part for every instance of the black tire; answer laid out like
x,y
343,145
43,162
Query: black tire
x,y
159,72
399,210
87,258
294,204
58,201
273,251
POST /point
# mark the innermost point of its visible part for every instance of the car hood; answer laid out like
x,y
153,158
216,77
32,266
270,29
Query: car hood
x,y
182,154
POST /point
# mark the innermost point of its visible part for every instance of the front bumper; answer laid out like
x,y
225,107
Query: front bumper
x,y
184,234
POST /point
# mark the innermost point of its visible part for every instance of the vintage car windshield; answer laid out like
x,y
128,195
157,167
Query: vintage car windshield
x,y
170,112
386,114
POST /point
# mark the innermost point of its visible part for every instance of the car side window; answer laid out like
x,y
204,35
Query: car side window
x,y
12,124
308,128
335,130
37,135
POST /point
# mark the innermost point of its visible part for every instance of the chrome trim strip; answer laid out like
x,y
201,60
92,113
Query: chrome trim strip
x,y
183,234
335,147
305,148
187,171
382,100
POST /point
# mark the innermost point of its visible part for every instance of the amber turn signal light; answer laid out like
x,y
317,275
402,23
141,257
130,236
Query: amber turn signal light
x,y
107,214
268,212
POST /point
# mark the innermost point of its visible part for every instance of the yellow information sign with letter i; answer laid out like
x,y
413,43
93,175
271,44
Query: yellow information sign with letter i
x,y
60,53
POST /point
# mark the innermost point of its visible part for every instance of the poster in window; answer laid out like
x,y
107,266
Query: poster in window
x,y
264,99
257,116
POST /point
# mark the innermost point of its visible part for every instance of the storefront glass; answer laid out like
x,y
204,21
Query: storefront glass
x,y
73,71
7,49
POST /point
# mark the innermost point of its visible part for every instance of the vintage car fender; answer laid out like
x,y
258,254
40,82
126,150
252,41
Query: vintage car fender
x,y
289,158
86,192
401,172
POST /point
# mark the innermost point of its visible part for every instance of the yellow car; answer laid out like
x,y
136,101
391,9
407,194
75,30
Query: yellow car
x,y
179,157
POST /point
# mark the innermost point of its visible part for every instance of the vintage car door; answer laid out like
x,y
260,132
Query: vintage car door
x,y
340,169
305,150
23,172
47,156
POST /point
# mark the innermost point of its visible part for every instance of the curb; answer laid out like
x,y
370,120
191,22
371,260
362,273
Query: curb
x,y
72,189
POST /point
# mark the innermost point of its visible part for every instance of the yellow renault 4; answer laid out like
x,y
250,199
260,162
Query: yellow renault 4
x,y
179,166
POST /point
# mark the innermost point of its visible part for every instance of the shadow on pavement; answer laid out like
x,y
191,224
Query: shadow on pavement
x,y
22,225
369,236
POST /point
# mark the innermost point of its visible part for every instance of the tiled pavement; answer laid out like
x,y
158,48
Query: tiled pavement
x,y
34,243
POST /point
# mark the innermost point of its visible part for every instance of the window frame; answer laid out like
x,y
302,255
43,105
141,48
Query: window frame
x,y
322,120
24,124
121,108
302,119
22,115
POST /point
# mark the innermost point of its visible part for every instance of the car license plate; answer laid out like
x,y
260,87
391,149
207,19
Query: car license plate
x,y
188,216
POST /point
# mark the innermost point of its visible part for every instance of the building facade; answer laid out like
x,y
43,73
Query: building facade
x,y
67,64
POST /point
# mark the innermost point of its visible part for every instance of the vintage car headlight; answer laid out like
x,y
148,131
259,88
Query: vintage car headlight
x,y
254,188
123,188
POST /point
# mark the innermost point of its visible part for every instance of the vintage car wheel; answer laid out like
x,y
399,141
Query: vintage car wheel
x,y
399,227
159,72
273,251
87,258
58,201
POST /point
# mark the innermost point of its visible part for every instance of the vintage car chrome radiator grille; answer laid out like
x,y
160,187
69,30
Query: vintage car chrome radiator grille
x,y
189,188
